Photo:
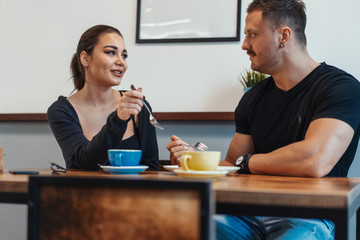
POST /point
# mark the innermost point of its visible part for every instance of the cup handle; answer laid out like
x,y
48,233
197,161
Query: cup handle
x,y
186,158
118,160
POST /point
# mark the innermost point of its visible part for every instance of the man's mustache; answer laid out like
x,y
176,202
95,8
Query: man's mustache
x,y
250,52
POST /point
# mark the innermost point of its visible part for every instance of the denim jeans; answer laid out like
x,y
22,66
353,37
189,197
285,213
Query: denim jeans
x,y
269,228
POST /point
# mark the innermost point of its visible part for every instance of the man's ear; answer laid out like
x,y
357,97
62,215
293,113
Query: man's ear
x,y
285,34
84,58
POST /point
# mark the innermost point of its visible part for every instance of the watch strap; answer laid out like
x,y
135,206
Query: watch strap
x,y
243,163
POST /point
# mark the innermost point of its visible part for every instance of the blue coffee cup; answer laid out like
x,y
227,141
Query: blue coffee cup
x,y
124,157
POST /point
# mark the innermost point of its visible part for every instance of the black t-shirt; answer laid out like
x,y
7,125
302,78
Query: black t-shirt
x,y
275,118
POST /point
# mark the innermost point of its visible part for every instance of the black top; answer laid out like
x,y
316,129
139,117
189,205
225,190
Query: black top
x,y
275,118
80,153
132,142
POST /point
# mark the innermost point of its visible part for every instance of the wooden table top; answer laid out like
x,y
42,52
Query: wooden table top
x,y
288,191
235,188
19,182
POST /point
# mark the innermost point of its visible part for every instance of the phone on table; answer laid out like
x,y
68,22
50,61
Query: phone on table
x,y
24,171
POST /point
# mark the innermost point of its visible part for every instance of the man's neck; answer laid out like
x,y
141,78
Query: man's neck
x,y
294,69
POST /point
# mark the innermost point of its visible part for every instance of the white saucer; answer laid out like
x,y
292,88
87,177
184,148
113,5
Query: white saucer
x,y
125,169
230,169
171,167
200,174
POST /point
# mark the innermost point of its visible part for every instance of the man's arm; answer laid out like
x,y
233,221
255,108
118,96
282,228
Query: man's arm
x,y
241,144
325,142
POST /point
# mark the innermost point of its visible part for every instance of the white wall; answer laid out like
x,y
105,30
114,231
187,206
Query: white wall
x,y
41,37
38,38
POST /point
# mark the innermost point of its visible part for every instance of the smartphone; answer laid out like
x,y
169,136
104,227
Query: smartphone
x,y
24,171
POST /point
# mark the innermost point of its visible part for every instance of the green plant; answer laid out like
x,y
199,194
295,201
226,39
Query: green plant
x,y
250,77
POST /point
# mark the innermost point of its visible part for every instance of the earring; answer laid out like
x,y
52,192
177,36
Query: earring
x,y
282,45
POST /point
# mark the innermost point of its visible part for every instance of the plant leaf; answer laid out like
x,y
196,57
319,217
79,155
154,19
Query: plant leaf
x,y
250,77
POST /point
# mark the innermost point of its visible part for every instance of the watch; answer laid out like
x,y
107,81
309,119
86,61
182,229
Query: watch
x,y
243,163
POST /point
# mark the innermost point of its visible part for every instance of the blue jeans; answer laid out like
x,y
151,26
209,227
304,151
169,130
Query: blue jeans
x,y
269,228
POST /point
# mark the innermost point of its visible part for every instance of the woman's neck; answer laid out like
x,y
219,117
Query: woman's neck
x,y
97,98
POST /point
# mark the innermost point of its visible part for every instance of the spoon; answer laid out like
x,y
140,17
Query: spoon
x,y
151,117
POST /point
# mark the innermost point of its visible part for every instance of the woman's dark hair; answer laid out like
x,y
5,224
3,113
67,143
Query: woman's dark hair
x,y
283,12
87,42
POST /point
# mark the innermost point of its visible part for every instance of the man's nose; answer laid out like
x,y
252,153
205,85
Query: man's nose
x,y
245,44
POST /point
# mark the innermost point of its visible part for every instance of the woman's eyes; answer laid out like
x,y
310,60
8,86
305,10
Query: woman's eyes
x,y
124,55
110,52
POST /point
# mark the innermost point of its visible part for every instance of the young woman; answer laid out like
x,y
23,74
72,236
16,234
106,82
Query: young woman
x,y
97,117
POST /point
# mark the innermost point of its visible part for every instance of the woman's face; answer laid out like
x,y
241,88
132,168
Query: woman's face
x,y
107,64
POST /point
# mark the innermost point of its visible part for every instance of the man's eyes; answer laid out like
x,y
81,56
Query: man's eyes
x,y
250,35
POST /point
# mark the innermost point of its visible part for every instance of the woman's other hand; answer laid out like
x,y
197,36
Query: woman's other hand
x,y
176,148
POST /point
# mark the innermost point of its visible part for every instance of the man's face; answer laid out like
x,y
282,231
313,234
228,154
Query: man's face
x,y
261,43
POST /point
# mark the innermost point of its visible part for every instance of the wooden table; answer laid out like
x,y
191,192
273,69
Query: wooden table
x,y
337,199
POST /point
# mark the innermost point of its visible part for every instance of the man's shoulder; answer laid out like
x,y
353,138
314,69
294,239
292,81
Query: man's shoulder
x,y
328,77
334,72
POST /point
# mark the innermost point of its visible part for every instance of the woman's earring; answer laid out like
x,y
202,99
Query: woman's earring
x,y
282,45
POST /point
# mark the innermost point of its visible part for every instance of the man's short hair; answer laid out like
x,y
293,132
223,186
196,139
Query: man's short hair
x,y
281,13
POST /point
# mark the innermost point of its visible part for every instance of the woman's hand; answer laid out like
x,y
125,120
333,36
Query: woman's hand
x,y
176,148
130,104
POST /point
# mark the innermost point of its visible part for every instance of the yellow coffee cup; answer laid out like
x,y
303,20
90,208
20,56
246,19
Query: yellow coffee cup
x,y
200,161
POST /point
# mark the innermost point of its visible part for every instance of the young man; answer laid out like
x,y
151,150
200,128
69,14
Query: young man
x,y
302,121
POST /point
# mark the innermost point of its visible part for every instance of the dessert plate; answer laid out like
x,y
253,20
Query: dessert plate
x,y
200,174
125,169
171,167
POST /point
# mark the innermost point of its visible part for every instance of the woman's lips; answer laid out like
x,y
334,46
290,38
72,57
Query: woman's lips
x,y
117,73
